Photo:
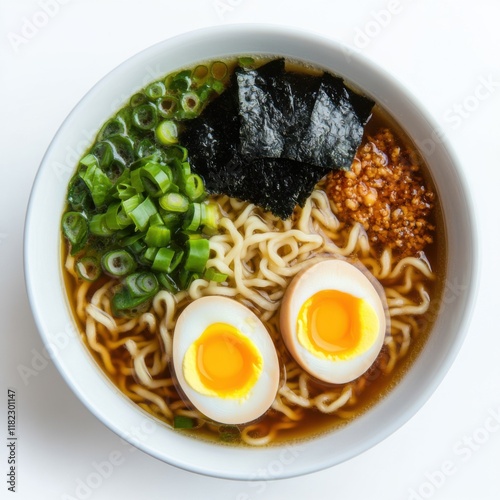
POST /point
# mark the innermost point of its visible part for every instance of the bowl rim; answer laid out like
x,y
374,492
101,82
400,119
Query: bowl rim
x,y
241,472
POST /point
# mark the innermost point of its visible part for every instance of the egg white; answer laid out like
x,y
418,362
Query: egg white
x,y
192,322
331,274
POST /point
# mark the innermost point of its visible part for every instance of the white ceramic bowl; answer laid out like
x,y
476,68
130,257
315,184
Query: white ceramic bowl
x,y
45,280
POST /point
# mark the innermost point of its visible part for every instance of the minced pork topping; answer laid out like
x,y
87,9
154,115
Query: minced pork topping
x,y
386,193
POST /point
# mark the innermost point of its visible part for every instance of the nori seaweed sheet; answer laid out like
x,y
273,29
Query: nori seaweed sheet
x,y
336,125
275,184
272,135
274,105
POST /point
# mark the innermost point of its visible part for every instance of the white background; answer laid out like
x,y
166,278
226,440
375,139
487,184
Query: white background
x,y
447,54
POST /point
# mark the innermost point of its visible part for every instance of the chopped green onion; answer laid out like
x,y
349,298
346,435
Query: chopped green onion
x,y
156,220
112,127
174,202
246,61
181,81
98,226
118,263
167,282
205,92
163,260
150,254
79,195
97,182
198,252
141,214
88,269
132,203
171,219
135,246
123,149
137,289
116,218
155,90
194,187
89,160
137,99
218,70
193,217
182,422
229,433
124,191
166,132
144,116
176,260
167,106
104,153
140,284
211,274
218,86
190,103
186,277
156,179
136,181
181,171
75,228
200,73
210,215
157,236
178,152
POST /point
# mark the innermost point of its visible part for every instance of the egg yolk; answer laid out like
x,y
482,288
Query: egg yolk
x,y
222,362
336,324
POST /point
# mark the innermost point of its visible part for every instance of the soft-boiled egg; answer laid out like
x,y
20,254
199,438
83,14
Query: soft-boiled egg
x,y
333,321
224,360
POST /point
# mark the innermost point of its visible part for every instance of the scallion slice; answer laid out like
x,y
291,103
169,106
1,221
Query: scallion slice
x,y
193,217
166,132
182,422
194,187
88,268
155,90
211,274
163,260
190,103
141,214
218,70
156,180
118,263
138,99
157,236
99,227
174,202
198,252
167,106
75,228
96,180
144,116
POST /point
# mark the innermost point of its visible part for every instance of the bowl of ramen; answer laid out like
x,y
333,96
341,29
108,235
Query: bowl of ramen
x,y
248,249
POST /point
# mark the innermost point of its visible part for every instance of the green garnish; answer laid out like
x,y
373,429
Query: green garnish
x,y
135,210
182,422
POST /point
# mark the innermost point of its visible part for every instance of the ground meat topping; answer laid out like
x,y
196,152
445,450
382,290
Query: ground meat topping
x,y
385,192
